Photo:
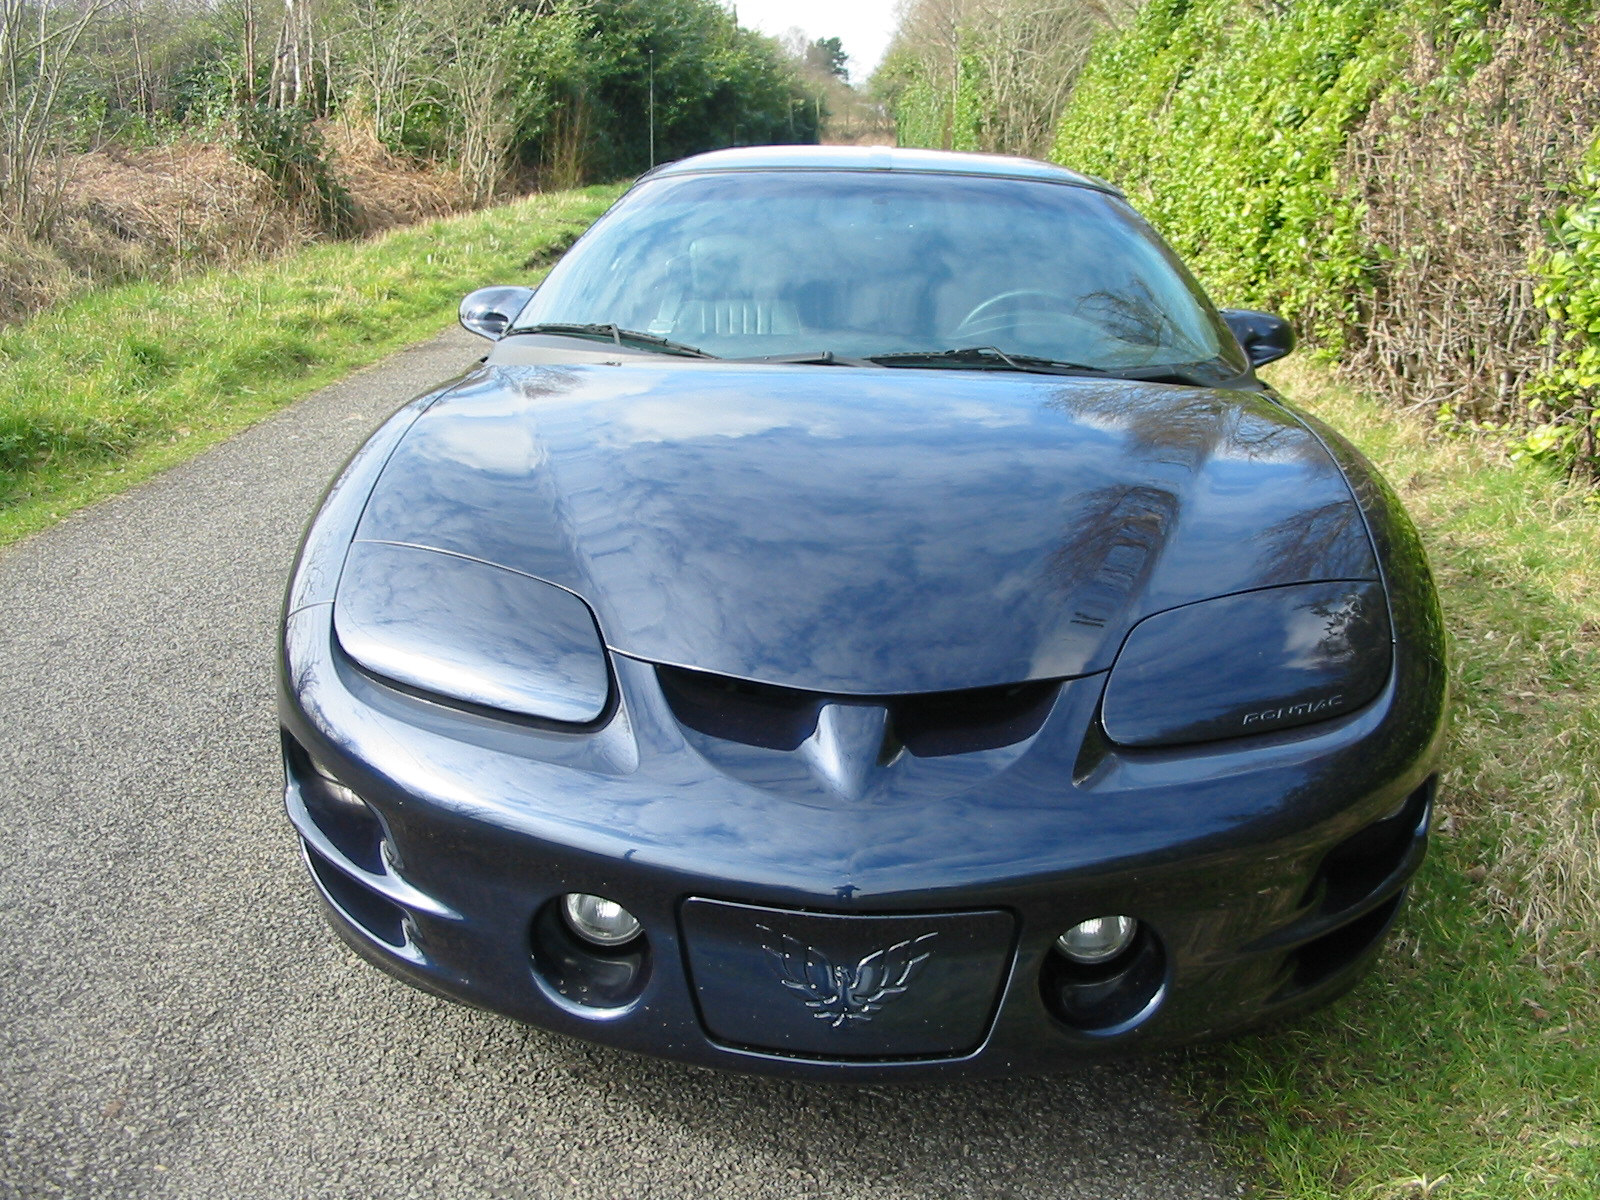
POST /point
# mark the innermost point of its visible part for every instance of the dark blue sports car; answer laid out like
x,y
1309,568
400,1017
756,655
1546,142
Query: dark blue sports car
x,y
864,619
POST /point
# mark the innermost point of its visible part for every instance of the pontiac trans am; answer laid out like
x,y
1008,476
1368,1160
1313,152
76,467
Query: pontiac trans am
x,y
864,618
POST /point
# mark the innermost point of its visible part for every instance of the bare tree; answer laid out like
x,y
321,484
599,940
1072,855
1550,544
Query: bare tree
x,y
390,57
482,55
292,63
37,41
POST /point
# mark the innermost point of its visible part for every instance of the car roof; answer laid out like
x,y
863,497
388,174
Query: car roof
x,y
877,158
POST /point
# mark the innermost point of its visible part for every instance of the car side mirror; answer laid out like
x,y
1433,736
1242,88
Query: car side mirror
x,y
1264,337
488,312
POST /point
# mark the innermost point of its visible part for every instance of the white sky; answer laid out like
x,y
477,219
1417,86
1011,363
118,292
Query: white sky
x,y
863,27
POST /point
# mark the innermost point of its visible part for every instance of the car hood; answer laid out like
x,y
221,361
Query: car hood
x,y
869,531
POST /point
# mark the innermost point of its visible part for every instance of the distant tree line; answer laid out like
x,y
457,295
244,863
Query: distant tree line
x,y
989,75
564,91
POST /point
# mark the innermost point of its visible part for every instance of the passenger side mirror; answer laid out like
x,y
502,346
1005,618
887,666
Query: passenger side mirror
x,y
1264,337
488,312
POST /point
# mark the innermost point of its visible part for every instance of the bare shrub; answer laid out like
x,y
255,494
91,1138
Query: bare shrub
x,y
38,42
1458,179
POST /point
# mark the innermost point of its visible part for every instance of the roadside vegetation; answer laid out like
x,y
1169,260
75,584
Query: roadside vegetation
x,y
1416,185
989,75
1467,1066
1410,183
107,389
153,138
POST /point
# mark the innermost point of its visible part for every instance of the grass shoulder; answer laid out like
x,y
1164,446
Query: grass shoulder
x,y
105,391
1466,1066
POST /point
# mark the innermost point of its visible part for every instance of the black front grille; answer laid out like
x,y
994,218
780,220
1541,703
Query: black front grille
x,y
928,724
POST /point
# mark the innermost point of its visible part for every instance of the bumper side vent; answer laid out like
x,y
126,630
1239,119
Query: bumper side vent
x,y
360,905
1360,865
342,816
1321,960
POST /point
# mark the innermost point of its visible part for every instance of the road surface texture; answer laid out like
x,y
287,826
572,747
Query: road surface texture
x,y
176,1020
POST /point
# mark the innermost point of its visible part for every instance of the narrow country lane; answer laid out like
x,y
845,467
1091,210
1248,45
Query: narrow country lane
x,y
176,1020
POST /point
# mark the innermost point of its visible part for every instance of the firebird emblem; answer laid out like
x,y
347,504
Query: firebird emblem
x,y
840,995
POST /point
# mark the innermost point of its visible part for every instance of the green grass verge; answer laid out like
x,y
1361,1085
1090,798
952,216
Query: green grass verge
x,y
1468,1064
121,383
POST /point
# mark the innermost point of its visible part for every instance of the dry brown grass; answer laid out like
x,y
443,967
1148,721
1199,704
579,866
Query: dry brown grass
x,y
389,190
126,212
160,212
152,212
31,278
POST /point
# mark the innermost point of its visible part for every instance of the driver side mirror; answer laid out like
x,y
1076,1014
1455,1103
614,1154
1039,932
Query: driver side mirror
x,y
488,312
1264,337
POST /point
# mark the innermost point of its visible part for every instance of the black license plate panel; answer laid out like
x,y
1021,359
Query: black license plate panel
x,y
846,986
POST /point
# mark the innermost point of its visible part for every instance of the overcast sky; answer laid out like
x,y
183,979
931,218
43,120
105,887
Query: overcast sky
x,y
862,26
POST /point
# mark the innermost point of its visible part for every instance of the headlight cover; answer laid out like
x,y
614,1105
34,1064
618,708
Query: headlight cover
x,y
1249,663
471,631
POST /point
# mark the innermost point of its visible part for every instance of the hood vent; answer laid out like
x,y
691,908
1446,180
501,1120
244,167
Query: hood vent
x,y
927,724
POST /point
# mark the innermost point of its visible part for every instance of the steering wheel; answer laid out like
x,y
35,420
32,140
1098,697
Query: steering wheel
x,y
1005,310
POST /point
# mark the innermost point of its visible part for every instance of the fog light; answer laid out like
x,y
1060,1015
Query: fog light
x,y
1097,940
598,920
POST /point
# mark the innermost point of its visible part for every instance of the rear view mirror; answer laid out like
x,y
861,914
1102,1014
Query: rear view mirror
x,y
488,312
1264,337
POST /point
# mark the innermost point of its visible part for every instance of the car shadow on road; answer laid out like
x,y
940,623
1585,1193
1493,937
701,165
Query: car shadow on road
x,y
1102,1130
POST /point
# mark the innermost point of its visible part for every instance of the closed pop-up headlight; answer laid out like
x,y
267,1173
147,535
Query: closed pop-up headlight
x,y
470,631
1249,663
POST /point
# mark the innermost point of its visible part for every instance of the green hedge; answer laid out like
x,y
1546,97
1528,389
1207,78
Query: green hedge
x,y
1228,124
1569,288
1225,122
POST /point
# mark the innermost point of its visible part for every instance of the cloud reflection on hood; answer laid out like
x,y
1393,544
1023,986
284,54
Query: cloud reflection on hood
x,y
863,531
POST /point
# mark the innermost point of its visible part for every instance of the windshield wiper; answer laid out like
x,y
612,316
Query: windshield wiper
x,y
989,357
619,336
824,358
993,359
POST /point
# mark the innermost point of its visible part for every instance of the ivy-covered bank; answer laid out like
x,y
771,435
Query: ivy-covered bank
x,y
1403,180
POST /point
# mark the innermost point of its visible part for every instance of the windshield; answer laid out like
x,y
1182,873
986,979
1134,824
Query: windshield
x,y
862,264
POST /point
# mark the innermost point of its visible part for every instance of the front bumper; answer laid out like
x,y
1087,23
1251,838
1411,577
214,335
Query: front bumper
x,y
1265,870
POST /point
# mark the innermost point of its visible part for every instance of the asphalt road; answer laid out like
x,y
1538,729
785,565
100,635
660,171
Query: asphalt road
x,y
175,1019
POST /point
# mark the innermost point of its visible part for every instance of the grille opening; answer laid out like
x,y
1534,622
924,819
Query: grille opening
x,y
1334,952
928,724
1358,866
341,815
359,904
756,714
935,723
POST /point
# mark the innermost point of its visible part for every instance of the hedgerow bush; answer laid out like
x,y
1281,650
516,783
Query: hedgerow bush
x,y
1225,120
1343,163
930,112
1569,288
